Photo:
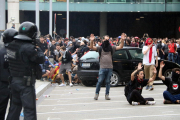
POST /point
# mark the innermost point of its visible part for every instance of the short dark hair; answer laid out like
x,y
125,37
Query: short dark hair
x,y
137,73
41,36
63,47
176,69
172,40
57,45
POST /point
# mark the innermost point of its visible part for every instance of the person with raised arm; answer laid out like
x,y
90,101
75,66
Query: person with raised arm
x,y
172,94
135,87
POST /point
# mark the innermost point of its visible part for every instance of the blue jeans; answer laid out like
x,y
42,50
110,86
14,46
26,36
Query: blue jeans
x,y
104,73
168,96
171,57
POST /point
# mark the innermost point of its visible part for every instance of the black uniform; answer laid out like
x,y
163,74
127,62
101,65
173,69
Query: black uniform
x,y
4,74
23,59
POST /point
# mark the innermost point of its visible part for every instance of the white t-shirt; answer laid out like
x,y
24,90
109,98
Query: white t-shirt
x,y
56,52
146,56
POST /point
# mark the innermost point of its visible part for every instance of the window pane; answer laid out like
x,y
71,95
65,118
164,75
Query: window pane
x,y
121,54
90,55
136,54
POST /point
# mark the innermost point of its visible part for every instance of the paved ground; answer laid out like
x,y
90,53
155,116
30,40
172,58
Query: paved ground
x,y
77,103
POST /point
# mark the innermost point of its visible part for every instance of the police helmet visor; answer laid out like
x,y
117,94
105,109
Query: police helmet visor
x,y
22,37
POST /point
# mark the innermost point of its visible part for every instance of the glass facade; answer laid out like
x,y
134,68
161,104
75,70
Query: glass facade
x,y
113,1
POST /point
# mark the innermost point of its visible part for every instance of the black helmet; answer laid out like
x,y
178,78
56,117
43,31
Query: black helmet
x,y
27,31
8,35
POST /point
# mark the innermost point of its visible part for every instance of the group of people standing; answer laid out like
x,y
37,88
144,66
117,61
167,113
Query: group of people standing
x,y
133,89
21,56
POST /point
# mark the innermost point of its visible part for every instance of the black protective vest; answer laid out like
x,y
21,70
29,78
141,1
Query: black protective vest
x,y
17,66
4,73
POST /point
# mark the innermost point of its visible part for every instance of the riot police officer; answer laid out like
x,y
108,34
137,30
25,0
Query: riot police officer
x,y
24,59
6,37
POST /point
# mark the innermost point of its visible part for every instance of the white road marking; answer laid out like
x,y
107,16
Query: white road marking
x,y
149,106
89,103
83,103
99,96
75,89
83,111
76,92
137,116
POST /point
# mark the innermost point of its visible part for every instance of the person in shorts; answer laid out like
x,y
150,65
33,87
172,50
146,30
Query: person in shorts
x,y
65,60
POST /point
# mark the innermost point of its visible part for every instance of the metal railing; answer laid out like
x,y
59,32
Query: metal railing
x,y
113,1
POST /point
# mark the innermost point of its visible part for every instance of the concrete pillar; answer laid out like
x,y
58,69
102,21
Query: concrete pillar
x,y
2,15
103,24
13,14
37,14
50,17
178,28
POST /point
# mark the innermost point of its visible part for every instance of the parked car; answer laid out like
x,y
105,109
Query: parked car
x,y
124,62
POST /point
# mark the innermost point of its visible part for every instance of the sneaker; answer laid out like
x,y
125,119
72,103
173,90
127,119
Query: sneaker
x,y
151,102
61,85
71,85
167,102
147,87
107,97
134,103
151,88
96,96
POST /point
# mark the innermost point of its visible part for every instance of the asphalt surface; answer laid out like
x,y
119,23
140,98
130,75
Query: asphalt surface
x,y
77,103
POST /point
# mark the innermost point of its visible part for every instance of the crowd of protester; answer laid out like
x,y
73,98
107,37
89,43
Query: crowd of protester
x,y
166,48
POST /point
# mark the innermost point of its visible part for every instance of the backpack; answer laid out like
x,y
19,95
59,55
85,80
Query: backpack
x,y
127,89
100,50
68,57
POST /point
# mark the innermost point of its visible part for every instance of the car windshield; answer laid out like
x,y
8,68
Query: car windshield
x,y
90,55
136,54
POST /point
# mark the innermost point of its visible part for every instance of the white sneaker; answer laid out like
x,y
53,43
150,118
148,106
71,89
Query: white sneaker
x,y
61,85
71,85
151,102
134,103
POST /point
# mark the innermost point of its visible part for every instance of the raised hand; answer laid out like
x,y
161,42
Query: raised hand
x,y
139,66
123,35
162,64
92,37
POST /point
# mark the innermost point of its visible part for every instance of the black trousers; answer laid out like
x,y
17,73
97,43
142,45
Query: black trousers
x,y
137,97
4,98
22,96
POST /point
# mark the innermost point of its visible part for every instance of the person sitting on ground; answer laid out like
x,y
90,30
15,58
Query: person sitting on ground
x,y
136,85
47,69
172,94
